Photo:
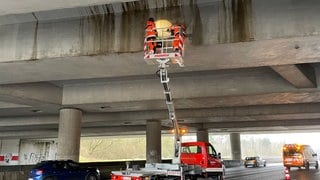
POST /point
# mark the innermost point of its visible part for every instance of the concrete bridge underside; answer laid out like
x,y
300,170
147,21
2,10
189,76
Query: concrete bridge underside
x,y
250,66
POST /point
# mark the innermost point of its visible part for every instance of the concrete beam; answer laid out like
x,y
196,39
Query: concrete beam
x,y
262,124
53,132
316,68
271,99
197,58
85,47
46,133
214,115
248,127
11,105
268,130
32,94
16,7
29,121
294,75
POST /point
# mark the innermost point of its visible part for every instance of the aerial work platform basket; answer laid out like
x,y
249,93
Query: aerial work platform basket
x,y
168,48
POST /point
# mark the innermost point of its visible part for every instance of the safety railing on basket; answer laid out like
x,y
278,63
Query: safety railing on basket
x,y
165,42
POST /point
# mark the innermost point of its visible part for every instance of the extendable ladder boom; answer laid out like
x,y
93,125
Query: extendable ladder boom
x,y
164,55
164,79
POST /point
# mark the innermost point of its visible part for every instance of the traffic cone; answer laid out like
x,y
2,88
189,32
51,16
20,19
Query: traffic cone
x,y
287,174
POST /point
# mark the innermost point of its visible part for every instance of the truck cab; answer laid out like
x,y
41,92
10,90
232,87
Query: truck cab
x,y
203,154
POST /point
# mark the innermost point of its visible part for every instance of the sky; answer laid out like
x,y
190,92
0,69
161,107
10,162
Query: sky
x,y
312,139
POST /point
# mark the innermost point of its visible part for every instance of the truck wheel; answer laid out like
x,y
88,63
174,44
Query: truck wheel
x,y
49,178
190,177
220,177
307,166
91,177
217,177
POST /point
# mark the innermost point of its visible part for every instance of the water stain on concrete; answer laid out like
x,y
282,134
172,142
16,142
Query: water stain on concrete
x,y
105,31
35,39
235,21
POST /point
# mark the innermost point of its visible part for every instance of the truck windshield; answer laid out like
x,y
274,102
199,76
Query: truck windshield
x,y
211,151
250,158
291,152
191,149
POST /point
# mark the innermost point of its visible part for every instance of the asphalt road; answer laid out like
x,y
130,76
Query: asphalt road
x,y
271,172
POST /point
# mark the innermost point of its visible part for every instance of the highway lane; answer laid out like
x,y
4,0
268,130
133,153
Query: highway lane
x,y
271,172
302,174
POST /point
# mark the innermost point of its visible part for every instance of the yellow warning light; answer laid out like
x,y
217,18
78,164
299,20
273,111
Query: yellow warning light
x,y
182,131
162,26
298,147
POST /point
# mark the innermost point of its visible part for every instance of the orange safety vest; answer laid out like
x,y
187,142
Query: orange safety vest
x,y
151,29
175,30
178,32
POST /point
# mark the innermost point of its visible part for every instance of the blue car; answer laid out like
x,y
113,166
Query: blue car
x,y
63,170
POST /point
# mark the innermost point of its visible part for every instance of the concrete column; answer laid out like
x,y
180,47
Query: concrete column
x,y
69,134
153,152
235,146
202,135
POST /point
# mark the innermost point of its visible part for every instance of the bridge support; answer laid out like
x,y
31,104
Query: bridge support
x,y
235,146
202,135
153,133
69,134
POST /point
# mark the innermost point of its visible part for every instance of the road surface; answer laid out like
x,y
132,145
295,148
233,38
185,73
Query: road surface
x,y
270,172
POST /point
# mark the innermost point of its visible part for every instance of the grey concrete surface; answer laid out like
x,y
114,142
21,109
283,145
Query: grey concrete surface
x,y
250,66
69,134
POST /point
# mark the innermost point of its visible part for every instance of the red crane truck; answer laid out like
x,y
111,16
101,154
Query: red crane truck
x,y
191,160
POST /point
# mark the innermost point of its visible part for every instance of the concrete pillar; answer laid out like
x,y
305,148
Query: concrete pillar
x,y
235,146
202,135
153,152
69,134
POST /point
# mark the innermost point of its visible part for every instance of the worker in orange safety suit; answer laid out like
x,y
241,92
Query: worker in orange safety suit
x,y
151,35
178,32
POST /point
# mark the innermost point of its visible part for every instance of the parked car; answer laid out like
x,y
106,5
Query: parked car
x,y
63,170
254,161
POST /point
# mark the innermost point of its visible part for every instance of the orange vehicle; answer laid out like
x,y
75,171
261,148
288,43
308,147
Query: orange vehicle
x,y
296,155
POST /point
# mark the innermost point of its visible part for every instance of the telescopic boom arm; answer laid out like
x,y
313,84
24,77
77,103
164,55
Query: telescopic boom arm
x,y
169,101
